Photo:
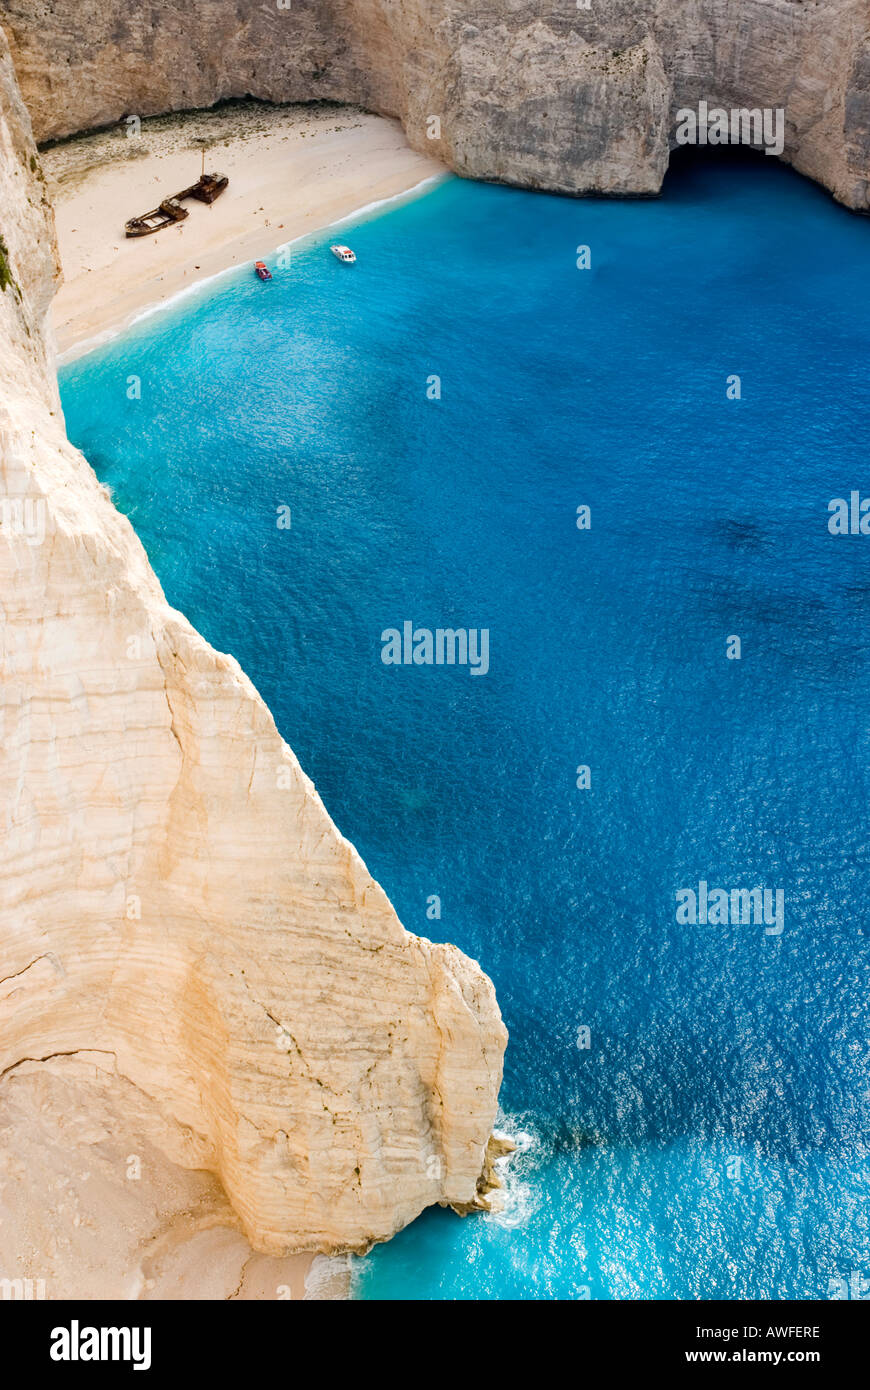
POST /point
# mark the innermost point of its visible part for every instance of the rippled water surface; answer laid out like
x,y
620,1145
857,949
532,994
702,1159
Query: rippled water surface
x,y
709,1142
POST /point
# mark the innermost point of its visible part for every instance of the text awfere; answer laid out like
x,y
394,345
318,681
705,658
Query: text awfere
x,y
440,646
736,907
759,127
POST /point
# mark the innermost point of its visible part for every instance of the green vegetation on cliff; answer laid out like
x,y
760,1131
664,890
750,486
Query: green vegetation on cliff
x,y
6,277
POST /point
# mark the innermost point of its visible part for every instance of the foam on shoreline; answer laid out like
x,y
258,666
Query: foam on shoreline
x,y
294,171
373,209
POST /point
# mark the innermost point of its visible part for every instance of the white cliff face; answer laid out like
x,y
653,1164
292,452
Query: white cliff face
x,y
554,96
173,895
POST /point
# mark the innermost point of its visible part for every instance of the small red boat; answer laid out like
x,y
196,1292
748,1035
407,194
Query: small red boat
x,y
262,270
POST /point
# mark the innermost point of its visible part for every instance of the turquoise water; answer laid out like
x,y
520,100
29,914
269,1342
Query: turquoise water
x,y
711,1139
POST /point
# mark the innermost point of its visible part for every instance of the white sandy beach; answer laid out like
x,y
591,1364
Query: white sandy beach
x,y
292,170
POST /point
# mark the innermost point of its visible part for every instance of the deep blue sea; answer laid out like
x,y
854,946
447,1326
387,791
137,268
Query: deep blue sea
x,y
711,1140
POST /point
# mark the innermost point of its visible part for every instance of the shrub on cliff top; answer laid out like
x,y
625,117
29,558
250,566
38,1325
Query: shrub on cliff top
x,y
5,272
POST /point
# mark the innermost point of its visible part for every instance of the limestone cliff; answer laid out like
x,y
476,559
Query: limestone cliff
x,y
174,899
546,96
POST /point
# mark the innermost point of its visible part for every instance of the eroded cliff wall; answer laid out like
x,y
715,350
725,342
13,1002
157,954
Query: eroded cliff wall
x,y
541,95
174,897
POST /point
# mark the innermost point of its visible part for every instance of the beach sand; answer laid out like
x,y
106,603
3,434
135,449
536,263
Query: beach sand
x,y
292,170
